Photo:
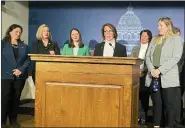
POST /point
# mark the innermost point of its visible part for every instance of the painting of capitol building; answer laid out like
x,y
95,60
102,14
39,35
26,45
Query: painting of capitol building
x,y
129,21
128,29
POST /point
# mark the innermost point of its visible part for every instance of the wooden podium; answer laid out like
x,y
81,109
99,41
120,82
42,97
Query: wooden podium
x,y
86,91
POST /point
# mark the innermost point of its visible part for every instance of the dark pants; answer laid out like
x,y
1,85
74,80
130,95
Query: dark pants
x,y
164,99
143,100
182,81
10,99
179,103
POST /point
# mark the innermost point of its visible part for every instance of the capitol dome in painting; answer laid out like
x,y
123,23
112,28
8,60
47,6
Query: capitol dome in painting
x,y
128,29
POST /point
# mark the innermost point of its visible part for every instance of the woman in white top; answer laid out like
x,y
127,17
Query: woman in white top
x,y
140,52
109,47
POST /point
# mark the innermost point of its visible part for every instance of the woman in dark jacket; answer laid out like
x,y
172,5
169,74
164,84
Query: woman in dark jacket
x,y
14,72
109,47
43,45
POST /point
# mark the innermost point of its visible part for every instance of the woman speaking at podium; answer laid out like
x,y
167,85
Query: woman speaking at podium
x,y
75,47
109,47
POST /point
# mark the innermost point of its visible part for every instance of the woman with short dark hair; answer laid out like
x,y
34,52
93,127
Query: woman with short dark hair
x,y
109,47
140,52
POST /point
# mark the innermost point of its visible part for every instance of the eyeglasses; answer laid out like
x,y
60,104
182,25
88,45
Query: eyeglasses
x,y
108,31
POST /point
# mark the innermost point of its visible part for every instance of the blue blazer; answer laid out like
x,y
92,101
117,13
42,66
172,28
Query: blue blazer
x,y
8,62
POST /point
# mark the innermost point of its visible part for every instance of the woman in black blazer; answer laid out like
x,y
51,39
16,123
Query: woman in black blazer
x,y
109,47
43,45
14,72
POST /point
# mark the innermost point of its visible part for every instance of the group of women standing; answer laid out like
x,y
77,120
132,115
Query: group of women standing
x,y
162,56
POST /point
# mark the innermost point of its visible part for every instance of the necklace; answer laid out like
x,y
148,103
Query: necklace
x,y
15,45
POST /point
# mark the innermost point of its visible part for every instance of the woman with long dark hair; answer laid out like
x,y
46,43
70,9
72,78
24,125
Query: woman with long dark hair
x,y
14,72
75,46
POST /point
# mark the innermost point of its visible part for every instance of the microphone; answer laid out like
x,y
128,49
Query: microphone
x,y
111,46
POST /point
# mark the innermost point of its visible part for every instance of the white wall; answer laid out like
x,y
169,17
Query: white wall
x,y
18,13
15,13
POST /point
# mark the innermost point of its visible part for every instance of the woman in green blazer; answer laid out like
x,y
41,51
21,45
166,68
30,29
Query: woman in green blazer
x,y
75,46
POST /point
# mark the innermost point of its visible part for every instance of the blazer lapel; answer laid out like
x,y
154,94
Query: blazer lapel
x,y
116,50
165,46
21,52
136,52
102,48
152,49
8,53
80,52
70,50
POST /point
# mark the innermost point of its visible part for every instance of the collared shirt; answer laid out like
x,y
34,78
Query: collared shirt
x,y
142,53
109,50
75,51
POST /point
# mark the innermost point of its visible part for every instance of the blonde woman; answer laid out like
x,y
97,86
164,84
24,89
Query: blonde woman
x,y
44,44
162,57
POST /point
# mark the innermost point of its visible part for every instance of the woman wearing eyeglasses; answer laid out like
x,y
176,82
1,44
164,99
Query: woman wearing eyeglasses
x,y
109,47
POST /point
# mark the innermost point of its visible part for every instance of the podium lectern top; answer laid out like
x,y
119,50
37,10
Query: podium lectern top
x,y
86,59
